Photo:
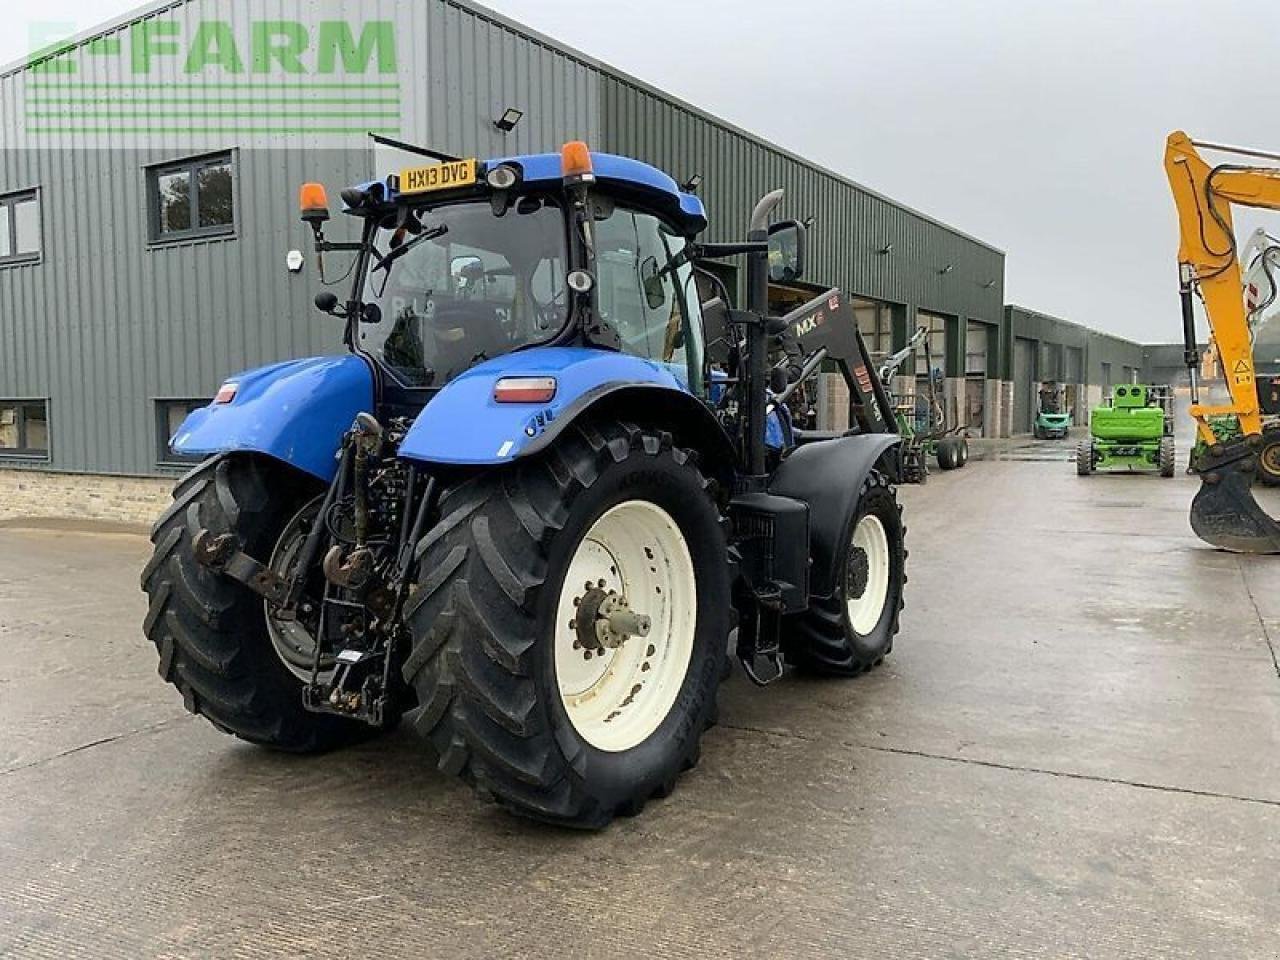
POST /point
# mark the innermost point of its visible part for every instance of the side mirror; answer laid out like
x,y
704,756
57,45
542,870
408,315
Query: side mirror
x,y
655,293
326,302
786,251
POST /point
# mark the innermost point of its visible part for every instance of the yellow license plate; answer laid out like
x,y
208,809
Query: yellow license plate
x,y
438,176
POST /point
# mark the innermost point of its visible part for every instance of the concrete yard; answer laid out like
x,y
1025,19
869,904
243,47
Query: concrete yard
x,y
1074,750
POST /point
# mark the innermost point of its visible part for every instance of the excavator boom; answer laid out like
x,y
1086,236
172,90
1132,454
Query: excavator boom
x,y
1224,512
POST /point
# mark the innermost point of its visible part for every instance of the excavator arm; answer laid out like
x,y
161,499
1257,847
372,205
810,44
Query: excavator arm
x,y
1224,512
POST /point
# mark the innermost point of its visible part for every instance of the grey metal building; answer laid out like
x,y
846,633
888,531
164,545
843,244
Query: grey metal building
x,y
148,178
1039,348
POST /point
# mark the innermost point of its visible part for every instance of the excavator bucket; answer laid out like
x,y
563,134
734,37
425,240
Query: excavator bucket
x,y
1225,515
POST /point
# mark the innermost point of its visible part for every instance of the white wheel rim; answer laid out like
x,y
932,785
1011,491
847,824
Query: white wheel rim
x,y
616,698
872,543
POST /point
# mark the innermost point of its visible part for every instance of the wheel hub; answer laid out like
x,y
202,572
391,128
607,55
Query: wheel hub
x,y
604,620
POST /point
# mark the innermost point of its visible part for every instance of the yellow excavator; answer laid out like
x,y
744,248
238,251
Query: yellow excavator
x,y
1232,435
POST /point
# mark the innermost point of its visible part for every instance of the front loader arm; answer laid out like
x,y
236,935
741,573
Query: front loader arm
x,y
1208,258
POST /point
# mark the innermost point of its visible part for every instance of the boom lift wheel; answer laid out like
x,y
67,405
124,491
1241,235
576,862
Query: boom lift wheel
x,y
1084,457
1167,457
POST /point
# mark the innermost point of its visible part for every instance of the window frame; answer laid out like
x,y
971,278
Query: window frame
x,y
24,452
10,201
191,166
165,457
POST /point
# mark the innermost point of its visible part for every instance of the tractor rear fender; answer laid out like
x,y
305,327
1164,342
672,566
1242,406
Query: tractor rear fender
x,y
465,423
828,476
295,412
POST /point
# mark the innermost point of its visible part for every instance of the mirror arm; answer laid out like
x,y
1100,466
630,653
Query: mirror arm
x,y
716,251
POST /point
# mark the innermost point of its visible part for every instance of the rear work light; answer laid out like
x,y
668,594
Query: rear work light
x,y
226,393
524,389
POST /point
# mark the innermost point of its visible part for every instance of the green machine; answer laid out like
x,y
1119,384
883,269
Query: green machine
x,y
1053,419
1132,431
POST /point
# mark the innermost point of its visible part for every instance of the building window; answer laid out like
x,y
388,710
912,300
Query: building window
x,y
192,199
876,325
24,428
19,227
169,417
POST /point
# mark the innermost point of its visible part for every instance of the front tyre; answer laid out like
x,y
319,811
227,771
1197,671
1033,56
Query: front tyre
x,y
852,631
570,625
211,632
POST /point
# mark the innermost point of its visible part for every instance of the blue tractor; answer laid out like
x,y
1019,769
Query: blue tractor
x,y
529,508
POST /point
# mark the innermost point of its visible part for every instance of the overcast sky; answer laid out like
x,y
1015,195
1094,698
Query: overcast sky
x,y
1037,126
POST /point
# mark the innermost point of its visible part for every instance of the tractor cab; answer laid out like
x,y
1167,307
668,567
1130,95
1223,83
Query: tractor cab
x,y
472,260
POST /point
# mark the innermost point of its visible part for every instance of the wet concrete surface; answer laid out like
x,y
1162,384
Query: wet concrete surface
x,y
1074,750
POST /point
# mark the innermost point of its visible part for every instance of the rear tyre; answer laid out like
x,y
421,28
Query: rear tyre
x,y
1084,458
948,453
1167,457
853,630
211,632
514,697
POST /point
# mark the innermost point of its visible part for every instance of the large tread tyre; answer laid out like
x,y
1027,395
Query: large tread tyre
x,y
1084,458
962,445
1167,457
836,636
211,631
483,617
1268,472
947,453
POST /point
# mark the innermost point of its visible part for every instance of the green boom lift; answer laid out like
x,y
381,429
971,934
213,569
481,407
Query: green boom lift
x,y
1132,431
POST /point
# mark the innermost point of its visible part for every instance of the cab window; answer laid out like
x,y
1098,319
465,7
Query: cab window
x,y
647,294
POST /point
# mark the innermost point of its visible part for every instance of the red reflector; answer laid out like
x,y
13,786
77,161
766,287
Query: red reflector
x,y
524,389
226,393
